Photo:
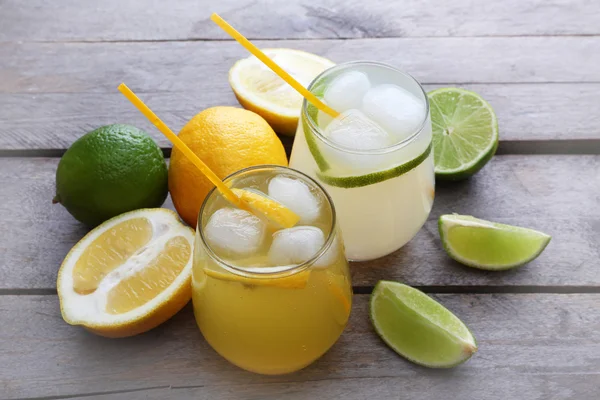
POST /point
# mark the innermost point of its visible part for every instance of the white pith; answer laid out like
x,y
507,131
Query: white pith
x,y
90,308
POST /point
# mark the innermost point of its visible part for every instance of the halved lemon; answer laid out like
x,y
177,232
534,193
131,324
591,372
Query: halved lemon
x,y
259,89
129,274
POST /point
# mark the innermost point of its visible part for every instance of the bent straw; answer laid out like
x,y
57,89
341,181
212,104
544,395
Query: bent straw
x,y
271,64
164,129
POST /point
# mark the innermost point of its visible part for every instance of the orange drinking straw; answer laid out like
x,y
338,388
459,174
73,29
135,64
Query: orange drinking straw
x,y
164,129
271,64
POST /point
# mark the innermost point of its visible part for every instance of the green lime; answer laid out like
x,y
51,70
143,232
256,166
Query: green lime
x,y
418,327
489,245
465,132
375,177
111,170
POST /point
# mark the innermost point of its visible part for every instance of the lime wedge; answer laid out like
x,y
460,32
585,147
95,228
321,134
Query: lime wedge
x,y
465,132
418,327
489,245
375,177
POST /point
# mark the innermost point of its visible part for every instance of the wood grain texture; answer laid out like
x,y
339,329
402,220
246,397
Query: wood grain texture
x,y
526,112
194,66
52,93
531,346
555,194
68,20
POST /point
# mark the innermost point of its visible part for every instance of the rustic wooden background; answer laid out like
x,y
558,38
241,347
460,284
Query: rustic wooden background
x,y
536,61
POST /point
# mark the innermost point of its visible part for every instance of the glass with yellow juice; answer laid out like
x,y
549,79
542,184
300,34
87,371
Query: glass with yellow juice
x,y
270,300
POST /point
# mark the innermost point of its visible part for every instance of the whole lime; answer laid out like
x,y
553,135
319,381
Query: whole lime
x,y
109,171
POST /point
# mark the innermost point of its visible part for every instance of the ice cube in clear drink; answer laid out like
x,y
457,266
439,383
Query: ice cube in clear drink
x,y
395,109
235,232
354,130
296,245
347,91
296,196
330,255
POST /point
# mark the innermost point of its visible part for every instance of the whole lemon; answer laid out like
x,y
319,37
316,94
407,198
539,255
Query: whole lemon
x,y
227,139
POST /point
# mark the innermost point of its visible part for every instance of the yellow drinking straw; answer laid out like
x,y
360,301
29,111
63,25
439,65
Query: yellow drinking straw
x,y
164,129
271,64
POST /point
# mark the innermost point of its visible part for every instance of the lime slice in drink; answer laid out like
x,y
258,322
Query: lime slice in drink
x,y
418,327
375,177
489,245
313,113
465,132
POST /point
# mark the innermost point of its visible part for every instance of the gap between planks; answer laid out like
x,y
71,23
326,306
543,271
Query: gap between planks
x,y
175,40
107,393
522,147
431,289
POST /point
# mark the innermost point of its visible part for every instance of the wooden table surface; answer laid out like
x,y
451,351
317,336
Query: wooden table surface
x,y
536,61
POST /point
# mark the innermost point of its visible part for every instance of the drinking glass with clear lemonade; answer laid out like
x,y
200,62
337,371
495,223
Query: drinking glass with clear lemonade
x,y
375,159
268,299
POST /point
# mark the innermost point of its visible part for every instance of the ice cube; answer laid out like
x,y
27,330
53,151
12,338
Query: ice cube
x,y
234,231
347,91
354,130
395,109
329,257
296,196
323,119
295,245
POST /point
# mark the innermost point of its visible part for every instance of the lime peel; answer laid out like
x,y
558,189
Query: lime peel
x,y
311,142
374,177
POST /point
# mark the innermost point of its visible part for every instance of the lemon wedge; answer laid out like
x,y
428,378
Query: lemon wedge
x,y
259,89
269,208
129,274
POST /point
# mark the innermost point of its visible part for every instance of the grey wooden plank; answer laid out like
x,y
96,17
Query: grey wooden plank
x,y
531,346
188,19
34,68
526,112
556,194
51,93
481,387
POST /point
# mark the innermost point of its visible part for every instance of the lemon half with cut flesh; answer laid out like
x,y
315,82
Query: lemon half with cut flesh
x,y
129,274
259,89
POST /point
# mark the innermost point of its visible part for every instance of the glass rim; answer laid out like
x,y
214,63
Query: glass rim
x,y
396,146
283,272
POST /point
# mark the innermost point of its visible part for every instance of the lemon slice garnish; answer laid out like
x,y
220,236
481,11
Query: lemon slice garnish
x,y
269,208
295,281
